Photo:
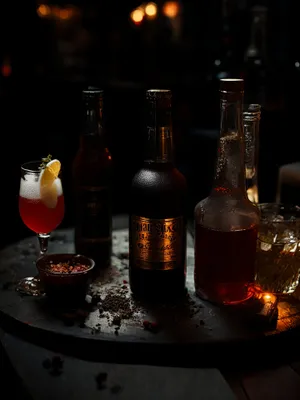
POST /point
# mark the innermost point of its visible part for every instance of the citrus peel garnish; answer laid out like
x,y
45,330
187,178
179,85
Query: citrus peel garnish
x,y
48,187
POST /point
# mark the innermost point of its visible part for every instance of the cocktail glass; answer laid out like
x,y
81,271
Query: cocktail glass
x,y
278,251
41,208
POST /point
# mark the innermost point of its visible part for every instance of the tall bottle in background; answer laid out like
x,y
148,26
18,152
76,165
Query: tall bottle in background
x,y
157,233
226,221
251,118
256,57
225,57
92,174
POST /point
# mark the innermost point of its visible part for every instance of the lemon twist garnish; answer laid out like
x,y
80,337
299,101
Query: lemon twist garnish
x,y
48,188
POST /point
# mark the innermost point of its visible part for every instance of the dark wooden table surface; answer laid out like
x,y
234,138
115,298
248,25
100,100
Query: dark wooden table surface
x,y
214,358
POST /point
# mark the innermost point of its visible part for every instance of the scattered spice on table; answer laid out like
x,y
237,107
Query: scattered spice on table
x,y
116,320
96,329
54,365
118,304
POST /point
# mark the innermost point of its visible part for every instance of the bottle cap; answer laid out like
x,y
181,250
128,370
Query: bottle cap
x,y
159,98
252,113
232,85
156,94
254,108
92,92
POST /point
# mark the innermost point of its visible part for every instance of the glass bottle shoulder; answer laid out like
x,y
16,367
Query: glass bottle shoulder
x,y
160,177
226,213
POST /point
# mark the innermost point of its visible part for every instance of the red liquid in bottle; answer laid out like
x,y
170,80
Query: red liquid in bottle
x,y
224,264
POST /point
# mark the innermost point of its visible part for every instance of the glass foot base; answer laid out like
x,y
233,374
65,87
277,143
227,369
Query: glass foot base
x,y
30,286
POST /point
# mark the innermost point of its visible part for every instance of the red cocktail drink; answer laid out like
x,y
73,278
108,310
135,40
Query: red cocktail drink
x,y
40,218
41,207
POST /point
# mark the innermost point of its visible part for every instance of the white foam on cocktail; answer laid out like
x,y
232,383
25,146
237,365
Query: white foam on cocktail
x,y
30,187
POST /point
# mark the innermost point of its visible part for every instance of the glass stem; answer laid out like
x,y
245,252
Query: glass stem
x,y
43,240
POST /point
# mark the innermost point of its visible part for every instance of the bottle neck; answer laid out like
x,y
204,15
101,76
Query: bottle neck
x,y
92,131
159,135
230,168
251,121
256,50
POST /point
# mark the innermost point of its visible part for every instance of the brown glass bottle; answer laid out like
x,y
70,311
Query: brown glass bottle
x,y
92,174
157,226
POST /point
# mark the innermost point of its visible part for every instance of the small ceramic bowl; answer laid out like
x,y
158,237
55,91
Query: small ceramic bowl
x,y
65,277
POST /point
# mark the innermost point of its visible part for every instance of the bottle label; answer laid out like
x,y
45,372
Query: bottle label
x,y
157,243
94,213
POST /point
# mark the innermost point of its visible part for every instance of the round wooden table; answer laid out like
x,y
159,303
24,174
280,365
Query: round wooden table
x,y
193,333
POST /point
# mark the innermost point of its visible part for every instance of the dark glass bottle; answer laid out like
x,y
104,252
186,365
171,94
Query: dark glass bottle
x,y
226,221
157,234
256,58
92,174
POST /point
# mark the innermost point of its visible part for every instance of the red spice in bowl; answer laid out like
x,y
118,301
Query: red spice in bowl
x,y
65,276
66,268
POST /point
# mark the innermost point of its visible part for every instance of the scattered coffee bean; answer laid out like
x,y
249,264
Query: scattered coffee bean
x,y
116,320
57,362
54,365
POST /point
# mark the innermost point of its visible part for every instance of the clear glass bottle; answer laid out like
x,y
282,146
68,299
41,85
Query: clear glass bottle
x,y
226,221
251,131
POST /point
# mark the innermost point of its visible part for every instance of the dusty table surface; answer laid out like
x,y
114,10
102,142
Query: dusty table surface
x,y
31,372
193,333
44,375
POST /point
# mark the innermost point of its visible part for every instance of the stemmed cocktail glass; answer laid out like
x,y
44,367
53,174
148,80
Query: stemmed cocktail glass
x,y
41,207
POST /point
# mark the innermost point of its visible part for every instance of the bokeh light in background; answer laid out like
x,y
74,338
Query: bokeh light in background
x,y
171,9
137,16
57,13
44,11
151,10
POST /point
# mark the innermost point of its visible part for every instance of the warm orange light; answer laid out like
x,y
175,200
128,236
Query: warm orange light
x,y
65,13
151,10
171,9
269,298
137,16
55,11
43,10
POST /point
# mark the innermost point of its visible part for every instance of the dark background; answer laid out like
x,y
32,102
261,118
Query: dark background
x,y
50,51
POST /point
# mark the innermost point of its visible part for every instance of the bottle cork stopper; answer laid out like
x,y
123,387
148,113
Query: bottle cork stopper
x,y
230,85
